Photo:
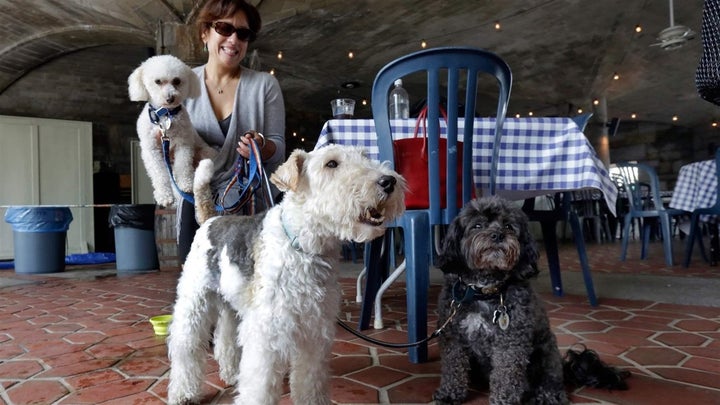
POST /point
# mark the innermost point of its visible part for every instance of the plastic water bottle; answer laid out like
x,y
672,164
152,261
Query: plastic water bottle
x,y
399,104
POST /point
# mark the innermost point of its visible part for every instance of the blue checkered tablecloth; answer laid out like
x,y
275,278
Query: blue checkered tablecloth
x,y
696,186
537,155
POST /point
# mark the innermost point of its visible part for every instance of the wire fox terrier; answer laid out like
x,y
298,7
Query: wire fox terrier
x,y
266,282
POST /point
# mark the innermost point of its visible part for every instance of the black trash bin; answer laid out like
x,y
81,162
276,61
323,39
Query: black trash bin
x,y
39,235
135,249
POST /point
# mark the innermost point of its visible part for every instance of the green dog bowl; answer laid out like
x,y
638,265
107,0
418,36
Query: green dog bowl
x,y
160,324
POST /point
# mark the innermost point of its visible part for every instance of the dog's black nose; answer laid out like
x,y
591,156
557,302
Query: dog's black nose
x,y
387,183
170,99
497,236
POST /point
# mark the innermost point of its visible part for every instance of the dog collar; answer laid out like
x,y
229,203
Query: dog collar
x,y
466,293
156,114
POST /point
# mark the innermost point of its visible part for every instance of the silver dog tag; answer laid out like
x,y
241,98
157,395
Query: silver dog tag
x,y
503,320
165,123
500,315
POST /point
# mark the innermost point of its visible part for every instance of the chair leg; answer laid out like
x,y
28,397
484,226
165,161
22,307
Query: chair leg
x,y
625,237
582,254
417,255
376,262
646,231
358,285
378,324
667,238
551,251
694,233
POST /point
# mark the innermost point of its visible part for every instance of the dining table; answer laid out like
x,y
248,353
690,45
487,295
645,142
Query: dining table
x,y
696,187
539,156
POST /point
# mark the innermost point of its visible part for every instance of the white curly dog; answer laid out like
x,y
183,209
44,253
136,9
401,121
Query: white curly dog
x,y
266,282
165,81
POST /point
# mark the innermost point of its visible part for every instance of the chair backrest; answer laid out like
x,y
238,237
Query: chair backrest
x,y
582,120
717,175
457,68
642,186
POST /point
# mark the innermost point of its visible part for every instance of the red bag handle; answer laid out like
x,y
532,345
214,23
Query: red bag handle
x,y
422,116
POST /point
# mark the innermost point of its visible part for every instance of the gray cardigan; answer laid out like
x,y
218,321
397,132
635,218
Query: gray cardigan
x,y
258,106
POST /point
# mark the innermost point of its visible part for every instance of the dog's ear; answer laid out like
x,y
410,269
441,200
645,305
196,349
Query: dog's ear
x,y
527,263
136,88
451,256
287,176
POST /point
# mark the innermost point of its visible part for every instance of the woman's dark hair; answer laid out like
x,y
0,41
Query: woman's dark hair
x,y
214,10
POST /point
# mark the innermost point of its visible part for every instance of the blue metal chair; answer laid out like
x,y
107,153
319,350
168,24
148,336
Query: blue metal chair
x,y
646,204
457,69
695,231
560,212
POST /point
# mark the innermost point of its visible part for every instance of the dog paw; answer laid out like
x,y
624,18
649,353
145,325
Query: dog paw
x,y
165,200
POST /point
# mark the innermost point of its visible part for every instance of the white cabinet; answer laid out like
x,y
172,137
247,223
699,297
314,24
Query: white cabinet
x,y
47,162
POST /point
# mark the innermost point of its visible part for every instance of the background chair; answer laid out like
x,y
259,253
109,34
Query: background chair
x,y
695,229
592,213
457,69
560,211
646,204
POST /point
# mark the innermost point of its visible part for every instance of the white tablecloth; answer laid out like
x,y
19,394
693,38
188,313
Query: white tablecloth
x,y
537,155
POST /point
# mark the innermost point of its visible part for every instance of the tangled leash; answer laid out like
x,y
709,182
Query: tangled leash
x,y
250,173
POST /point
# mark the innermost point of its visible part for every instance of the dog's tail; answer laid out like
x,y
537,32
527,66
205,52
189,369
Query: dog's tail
x,y
584,368
204,204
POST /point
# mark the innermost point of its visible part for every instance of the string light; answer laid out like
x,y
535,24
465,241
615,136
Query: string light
x,y
517,115
675,118
530,114
714,124
633,115
294,133
638,28
616,76
272,71
351,55
279,55
423,44
596,102
364,102
497,25
579,110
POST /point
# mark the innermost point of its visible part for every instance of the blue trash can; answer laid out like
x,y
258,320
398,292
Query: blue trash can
x,y
39,235
135,248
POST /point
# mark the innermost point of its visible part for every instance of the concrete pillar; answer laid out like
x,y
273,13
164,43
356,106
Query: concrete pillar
x,y
181,40
601,139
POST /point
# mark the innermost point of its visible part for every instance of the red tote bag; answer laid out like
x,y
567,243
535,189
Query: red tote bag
x,y
411,160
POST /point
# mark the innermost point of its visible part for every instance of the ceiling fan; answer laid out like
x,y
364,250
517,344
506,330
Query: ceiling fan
x,y
674,36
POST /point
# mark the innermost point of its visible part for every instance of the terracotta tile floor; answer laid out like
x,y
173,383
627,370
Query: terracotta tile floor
x,y
84,339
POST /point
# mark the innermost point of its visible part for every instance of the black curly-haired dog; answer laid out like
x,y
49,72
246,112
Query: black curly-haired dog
x,y
491,317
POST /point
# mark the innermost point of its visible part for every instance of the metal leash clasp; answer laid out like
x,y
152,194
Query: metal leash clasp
x,y
164,122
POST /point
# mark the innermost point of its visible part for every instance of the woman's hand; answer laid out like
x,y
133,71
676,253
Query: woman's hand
x,y
267,148
244,145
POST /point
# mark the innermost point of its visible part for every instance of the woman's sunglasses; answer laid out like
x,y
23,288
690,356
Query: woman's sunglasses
x,y
227,29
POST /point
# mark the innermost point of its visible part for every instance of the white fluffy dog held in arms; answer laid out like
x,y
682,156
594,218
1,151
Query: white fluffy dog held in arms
x,y
164,81
265,285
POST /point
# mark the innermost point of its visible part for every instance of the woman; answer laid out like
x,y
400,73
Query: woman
x,y
233,101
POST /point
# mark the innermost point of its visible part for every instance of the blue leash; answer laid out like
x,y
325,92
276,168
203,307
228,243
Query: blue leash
x,y
256,177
